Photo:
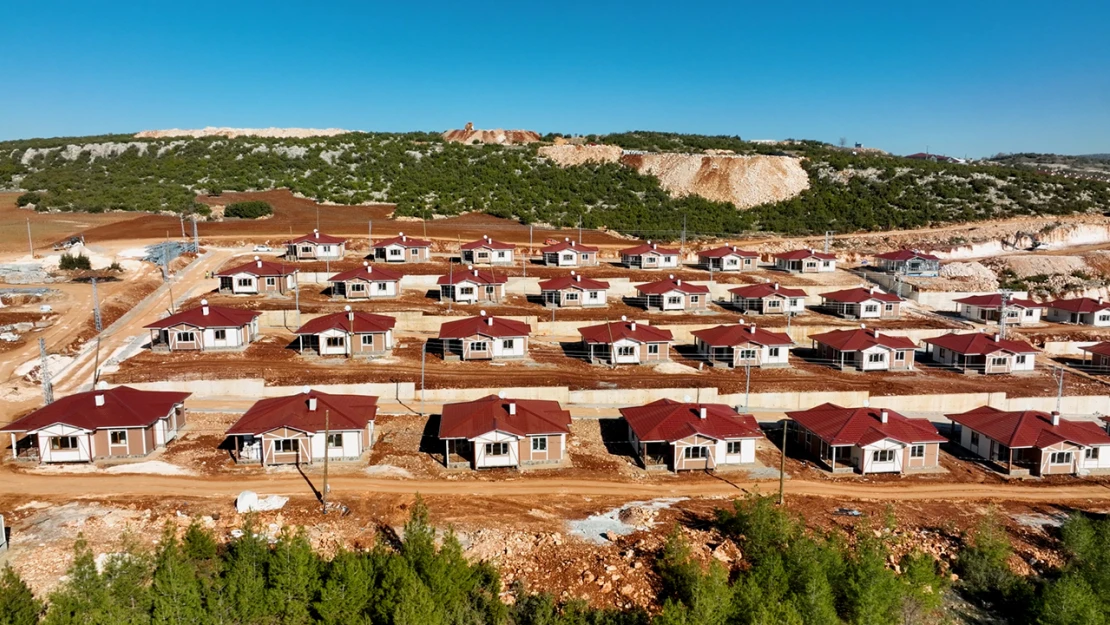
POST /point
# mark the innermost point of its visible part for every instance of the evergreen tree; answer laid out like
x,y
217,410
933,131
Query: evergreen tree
x,y
346,590
175,591
293,578
84,598
1071,601
18,606
244,577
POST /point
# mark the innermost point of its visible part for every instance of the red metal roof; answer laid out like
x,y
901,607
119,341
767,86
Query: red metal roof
x,y
905,255
804,254
1029,428
666,286
861,339
259,268
318,238
1102,349
994,300
353,322
403,241
760,291
741,334
977,343
368,273
863,426
491,413
477,276
341,412
726,250
216,317
616,330
487,243
124,407
653,248
563,246
1080,305
670,421
576,281
493,327
859,295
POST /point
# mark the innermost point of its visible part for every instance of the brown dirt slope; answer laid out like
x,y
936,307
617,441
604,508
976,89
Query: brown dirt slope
x,y
745,181
497,136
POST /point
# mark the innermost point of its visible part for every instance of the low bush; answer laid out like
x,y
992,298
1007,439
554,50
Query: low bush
x,y
69,262
248,210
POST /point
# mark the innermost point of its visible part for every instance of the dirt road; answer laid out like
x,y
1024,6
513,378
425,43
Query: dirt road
x,y
70,487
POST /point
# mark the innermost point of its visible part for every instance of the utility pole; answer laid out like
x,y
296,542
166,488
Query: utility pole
x,y
1002,315
327,456
30,243
782,463
828,240
317,216
181,216
1058,373
524,264
530,239
297,300
423,354
96,307
580,229
451,281
682,244
370,234
44,375
196,237
747,385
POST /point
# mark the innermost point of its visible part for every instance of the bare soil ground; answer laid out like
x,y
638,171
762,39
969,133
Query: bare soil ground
x,y
46,228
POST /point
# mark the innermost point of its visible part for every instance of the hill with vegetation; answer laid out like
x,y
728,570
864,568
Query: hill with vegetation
x,y
427,176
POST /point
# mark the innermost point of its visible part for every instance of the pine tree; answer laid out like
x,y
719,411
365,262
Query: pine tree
x,y
293,578
18,606
84,598
346,591
244,581
1071,601
175,592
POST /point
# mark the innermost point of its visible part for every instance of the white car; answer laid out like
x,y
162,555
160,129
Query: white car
x,y
263,248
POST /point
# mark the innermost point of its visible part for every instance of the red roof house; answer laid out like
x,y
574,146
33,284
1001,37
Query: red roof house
x,y
672,294
865,349
1100,355
574,291
870,440
626,342
985,308
768,299
686,436
909,263
805,261
863,303
982,353
650,256
302,428
743,345
258,276
497,432
204,328
1030,441
348,333
486,251
120,422
472,286
484,338
569,253
366,282
315,246
1081,310
402,249
728,258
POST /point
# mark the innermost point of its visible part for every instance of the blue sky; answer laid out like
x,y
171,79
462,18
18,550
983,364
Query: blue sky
x,y
963,78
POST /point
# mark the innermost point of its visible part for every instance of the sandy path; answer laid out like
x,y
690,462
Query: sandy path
x,y
99,486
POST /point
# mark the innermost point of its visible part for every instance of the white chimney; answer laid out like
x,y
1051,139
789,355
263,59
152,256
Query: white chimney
x,y
1055,418
365,263
404,238
316,233
489,321
632,327
624,317
654,246
572,243
751,328
512,408
475,273
884,416
98,399
350,313
863,326
312,404
997,337
776,286
258,261
578,278
701,412
204,307
572,272
678,282
871,290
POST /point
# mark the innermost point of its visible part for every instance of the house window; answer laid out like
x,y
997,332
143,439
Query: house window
x,y
773,303
1029,312
899,356
747,354
826,264
394,251
695,452
335,441
478,346
871,308
593,295
367,340
1091,453
796,303
334,341
415,252
1019,359
626,350
382,286
501,254
734,447
974,439
356,286
271,281
773,352
882,455
880,357
569,258
539,443
890,307
694,299
1060,457
186,337
674,299
1104,318
497,449
219,335
325,249
998,362
917,451
62,443
508,343
489,290
668,259
653,349
286,445
585,257
306,249
571,296
117,437
466,290
245,282
811,265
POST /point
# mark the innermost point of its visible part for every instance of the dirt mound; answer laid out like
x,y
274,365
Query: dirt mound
x,y
1033,265
231,133
566,155
971,276
469,135
745,181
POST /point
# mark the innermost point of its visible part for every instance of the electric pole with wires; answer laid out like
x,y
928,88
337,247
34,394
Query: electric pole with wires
x,y
1058,375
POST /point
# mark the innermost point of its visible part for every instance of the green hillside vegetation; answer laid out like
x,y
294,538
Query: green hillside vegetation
x,y
789,575
248,210
425,176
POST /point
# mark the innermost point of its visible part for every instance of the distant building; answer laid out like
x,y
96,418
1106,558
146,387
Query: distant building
x,y
486,251
863,303
728,258
743,345
1082,311
626,342
205,328
987,308
672,295
496,432
348,333
258,277
472,286
316,246
865,349
570,254
805,261
869,440
909,263
366,282
574,291
981,353
768,299
402,249
484,338
683,436
650,256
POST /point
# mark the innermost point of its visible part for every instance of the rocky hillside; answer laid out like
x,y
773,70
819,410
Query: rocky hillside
x,y
648,194
472,136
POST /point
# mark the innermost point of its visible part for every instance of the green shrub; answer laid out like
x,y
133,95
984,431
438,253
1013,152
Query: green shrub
x,y
69,262
28,198
248,210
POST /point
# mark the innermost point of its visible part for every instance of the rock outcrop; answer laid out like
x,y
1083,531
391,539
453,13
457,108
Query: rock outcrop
x,y
211,131
469,135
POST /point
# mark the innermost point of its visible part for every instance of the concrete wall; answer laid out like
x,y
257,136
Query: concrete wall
x,y
1067,348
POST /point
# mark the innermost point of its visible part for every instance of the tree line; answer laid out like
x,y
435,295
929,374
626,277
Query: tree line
x,y
789,575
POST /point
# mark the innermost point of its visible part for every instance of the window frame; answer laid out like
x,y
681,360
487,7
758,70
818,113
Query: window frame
x,y
117,438
539,443
56,443
734,448
497,449
287,445
878,455
701,453
1067,457
917,451
332,438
